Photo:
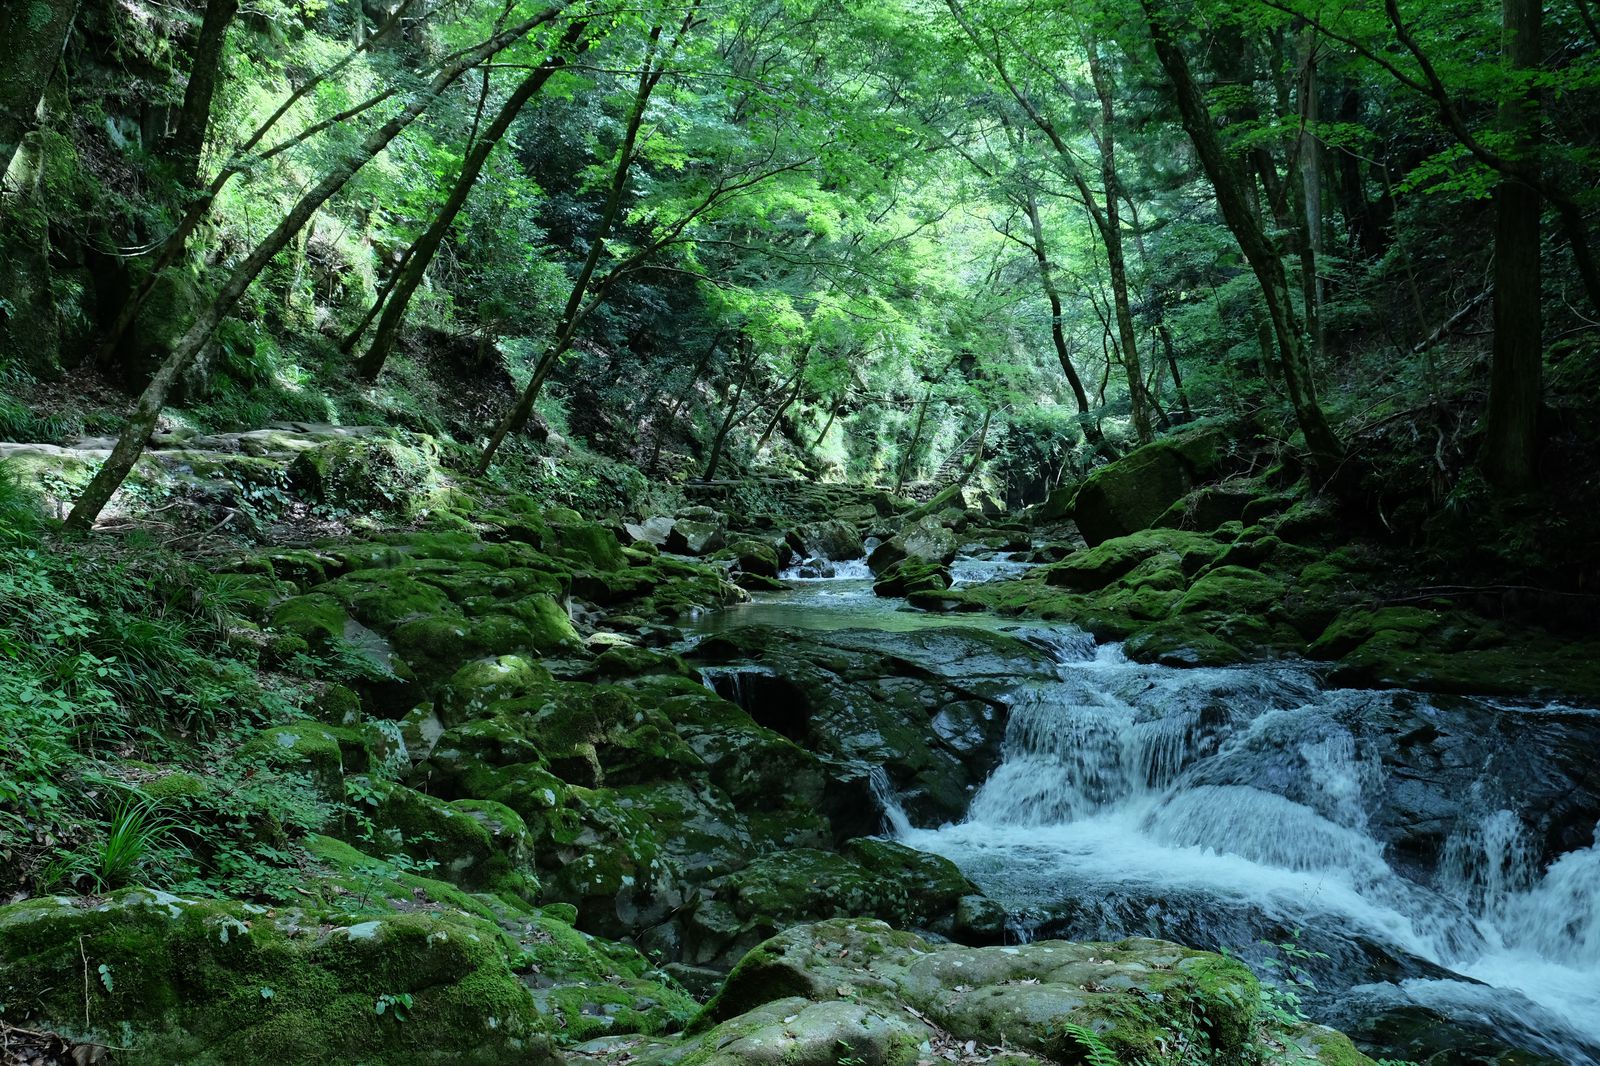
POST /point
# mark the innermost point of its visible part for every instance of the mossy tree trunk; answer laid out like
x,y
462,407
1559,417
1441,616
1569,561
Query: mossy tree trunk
x,y
145,412
35,34
205,68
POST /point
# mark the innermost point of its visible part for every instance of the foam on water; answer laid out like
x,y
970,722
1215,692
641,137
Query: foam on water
x,y
1237,786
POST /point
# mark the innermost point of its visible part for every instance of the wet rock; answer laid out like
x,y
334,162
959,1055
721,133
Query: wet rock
x,y
1054,999
926,540
912,576
830,540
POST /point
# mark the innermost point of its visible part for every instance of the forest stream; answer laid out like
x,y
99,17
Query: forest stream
x,y
1252,809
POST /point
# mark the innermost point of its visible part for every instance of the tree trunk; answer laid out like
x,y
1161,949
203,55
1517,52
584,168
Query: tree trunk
x,y
1048,282
1311,193
1172,364
766,434
573,313
142,419
748,361
833,413
1109,220
35,34
1233,200
204,70
422,252
1511,443
911,445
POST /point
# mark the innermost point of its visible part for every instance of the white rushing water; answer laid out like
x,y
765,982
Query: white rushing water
x,y
1221,806
1205,804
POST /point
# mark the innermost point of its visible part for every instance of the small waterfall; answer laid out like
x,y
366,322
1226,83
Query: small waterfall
x,y
894,815
813,570
1236,799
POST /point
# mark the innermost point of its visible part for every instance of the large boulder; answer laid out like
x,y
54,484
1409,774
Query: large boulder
x,y
894,998
1135,491
927,540
831,540
368,474
166,978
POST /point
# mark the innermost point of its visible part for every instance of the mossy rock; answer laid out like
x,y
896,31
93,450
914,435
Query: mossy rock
x,y
310,748
749,555
588,544
912,577
368,474
474,688
480,845
1095,568
226,984
317,618
386,598
591,987
1230,591
1057,1000
1135,491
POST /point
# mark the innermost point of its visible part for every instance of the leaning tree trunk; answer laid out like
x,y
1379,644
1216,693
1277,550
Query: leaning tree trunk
x,y
422,252
204,70
1233,200
35,34
749,362
142,419
573,313
1511,443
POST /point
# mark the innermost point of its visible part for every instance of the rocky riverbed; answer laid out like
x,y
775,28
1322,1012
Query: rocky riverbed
x,y
589,768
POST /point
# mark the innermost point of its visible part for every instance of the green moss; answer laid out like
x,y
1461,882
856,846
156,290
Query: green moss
x,y
316,618
310,748
183,981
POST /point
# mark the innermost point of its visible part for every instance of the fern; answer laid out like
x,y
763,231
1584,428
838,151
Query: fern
x,y
1099,1053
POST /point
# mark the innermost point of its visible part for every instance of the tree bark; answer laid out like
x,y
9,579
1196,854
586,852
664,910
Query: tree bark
x,y
1511,443
35,34
145,412
205,69
1233,200
422,252
1108,218
1311,191
748,362
783,407
1047,281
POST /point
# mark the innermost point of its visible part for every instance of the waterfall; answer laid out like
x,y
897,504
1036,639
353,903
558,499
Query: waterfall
x,y
1148,800
895,821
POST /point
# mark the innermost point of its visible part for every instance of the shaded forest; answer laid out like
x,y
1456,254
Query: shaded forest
x,y
527,533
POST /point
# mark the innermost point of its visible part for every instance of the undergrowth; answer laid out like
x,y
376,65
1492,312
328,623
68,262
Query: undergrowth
x,y
128,684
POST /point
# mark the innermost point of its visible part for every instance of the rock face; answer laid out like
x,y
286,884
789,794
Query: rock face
x,y
859,989
1136,490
